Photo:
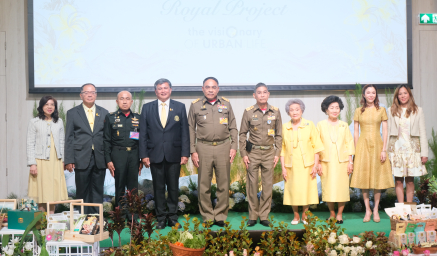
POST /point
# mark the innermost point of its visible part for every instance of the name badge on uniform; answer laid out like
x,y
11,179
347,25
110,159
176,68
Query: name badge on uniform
x,y
271,118
120,125
117,120
223,120
134,135
254,119
271,132
135,122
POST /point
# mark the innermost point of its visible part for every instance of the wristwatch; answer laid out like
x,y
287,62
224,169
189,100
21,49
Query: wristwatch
x,y
351,162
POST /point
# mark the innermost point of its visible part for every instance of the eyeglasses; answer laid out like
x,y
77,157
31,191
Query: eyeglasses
x,y
89,92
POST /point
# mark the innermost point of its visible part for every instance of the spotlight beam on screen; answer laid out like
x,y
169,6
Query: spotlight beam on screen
x,y
287,44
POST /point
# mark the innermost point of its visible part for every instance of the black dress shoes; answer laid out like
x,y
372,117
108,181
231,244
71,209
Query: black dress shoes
x,y
251,223
220,223
265,223
172,223
160,224
339,222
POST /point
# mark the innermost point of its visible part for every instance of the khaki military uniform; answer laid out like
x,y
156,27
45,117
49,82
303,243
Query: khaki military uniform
x,y
211,126
266,136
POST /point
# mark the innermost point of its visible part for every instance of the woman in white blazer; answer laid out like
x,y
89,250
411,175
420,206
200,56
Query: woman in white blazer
x,y
45,149
408,146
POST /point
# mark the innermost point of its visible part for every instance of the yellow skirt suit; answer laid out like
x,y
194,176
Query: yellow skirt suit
x,y
339,145
298,149
369,172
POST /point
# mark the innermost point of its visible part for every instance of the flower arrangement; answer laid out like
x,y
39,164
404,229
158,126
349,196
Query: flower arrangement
x,y
194,239
13,248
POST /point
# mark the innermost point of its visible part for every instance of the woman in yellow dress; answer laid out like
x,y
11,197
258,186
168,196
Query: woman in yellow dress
x,y
372,171
336,159
299,158
45,150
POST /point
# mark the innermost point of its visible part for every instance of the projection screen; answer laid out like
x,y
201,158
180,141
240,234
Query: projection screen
x,y
287,44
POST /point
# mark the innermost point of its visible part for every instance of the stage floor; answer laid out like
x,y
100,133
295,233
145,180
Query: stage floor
x,y
353,223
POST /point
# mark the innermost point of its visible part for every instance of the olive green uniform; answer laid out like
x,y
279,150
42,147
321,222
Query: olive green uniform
x,y
266,136
211,125
122,150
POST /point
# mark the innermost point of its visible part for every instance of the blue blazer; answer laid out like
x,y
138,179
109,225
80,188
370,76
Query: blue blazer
x,y
171,142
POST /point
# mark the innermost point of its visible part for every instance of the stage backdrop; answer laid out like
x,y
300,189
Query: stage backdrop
x,y
132,43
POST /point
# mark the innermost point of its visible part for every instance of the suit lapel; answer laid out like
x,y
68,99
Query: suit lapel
x,y
171,113
97,118
82,114
156,111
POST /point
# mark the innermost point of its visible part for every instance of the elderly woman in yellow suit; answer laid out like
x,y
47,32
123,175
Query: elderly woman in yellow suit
x,y
336,159
299,158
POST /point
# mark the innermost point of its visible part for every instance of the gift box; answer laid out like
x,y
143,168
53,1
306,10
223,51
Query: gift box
x,y
421,237
411,238
21,219
431,236
401,239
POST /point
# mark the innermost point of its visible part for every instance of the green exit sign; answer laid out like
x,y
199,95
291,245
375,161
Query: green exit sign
x,y
428,18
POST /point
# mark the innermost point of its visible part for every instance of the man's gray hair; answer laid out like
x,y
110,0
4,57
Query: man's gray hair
x,y
81,88
260,85
294,101
162,81
118,94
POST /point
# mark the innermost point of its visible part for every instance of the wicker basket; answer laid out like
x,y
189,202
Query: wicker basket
x,y
182,251
393,222
1,221
420,250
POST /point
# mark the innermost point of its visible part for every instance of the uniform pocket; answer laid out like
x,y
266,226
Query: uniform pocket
x,y
77,146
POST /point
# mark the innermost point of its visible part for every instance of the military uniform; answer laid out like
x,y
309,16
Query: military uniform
x,y
211,125
120,141
266,136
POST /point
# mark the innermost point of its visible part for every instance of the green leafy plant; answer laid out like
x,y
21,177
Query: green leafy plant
x,y
138,101
431,165
279,241
388,97
61,112
229,240
357,95
35,109
349,107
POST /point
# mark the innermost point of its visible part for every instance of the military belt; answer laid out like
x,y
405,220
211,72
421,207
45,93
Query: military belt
x,y
126,148
262,147
213,143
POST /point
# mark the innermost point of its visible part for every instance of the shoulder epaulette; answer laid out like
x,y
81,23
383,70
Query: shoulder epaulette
x,y
275,108
249,108
225,99
111,113
196,100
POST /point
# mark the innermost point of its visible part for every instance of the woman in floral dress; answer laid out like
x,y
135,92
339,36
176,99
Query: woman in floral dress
x,y
408,146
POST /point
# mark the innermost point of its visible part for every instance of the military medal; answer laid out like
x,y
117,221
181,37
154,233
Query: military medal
x,y
176,118
117,120
118,133
220,110
269,121
134,119
255,129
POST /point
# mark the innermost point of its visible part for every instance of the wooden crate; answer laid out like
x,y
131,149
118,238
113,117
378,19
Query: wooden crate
x,y
70,235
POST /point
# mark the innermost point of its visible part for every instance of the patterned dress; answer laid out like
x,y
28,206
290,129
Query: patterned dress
x,y
369,172
404,151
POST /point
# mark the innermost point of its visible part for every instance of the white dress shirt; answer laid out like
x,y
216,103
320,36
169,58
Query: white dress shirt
x,y
167,107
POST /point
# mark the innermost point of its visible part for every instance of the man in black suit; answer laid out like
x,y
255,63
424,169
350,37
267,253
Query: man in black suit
x,y
164,146
84,147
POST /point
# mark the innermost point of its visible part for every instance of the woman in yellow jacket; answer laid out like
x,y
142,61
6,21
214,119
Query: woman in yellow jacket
x,y
299,158
336,159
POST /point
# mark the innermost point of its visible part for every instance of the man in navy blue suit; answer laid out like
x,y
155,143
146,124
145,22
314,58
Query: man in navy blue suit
x,y
164,147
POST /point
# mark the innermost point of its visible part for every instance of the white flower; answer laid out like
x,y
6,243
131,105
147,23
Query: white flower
x,y
331,240
360,249
184,189
369,244
339,247
333,235
28,246
184,199
277,188
356,240
11,246
333,253
9,252
344,239
234,186
15,240
354,253
347,249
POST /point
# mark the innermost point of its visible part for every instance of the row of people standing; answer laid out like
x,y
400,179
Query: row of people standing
x,y
164,140
331,144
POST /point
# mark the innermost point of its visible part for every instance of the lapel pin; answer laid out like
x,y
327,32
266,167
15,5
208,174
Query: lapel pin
x,y
97,114
171,109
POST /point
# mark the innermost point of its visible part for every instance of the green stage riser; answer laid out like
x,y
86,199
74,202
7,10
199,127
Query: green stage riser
x,y
353,223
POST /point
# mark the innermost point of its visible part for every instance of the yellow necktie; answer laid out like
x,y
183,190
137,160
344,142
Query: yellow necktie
x,y
163,115
90,117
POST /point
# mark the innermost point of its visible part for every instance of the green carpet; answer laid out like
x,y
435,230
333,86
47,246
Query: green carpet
x,y
353,223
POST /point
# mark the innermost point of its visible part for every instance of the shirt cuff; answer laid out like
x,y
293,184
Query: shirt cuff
x,y
243,153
